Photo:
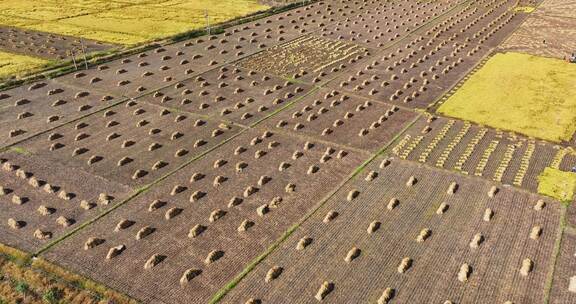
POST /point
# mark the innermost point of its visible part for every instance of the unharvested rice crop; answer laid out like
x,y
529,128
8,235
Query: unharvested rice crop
x,y
12,64
121,22
557,184
521,93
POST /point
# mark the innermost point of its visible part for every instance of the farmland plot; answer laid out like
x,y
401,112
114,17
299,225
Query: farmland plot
x,y
376,24
12,64
494,244
43,200
40,106
308,58
417,72
564,282
480,151
238,94
133,143
147,71
188,236
549,31
122,22
543,35
45,45
337,117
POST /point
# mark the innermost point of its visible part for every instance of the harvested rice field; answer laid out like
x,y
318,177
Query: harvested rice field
x,y
344,119
477,150
345,151
131,143
42,200
191,234
494,244
548,32
564,281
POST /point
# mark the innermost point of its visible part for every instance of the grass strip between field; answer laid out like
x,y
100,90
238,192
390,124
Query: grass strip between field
x,y
223,291
555,255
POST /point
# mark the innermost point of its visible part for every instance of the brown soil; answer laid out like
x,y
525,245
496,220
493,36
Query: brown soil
x,y
419,271
46,45
47,192
233,204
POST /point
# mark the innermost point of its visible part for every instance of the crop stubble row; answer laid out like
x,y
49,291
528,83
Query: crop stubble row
x,y
413,238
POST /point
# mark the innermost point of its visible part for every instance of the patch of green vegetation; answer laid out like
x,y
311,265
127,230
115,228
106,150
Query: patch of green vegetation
x,y
524,9
527,94
19,150
557,184
52,296
22,287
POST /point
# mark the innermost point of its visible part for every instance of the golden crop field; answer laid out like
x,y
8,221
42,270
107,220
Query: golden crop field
x,y
12,64
521,93
557,184
122,22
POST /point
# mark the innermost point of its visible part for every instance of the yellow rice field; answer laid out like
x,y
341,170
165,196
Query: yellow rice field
x,y
522,93
12,64
123,22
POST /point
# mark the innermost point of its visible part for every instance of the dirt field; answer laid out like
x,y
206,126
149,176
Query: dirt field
x,y
362,260
550,31
564,283
244,166
230,206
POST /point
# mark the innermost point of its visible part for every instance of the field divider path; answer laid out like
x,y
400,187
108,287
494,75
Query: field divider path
x,y
563,228
228,287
